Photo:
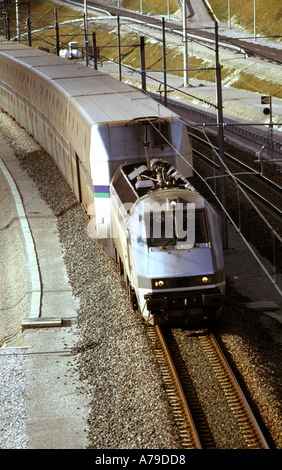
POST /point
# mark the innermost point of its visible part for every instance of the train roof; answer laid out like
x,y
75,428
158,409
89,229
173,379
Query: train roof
x,y
104,98
109,108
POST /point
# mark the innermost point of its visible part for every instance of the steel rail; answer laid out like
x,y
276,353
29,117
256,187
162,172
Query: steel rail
x,y
250,171
236,399
176,28
244,165
248,188
187,429
209,119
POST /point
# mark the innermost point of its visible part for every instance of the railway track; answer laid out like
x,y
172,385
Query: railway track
x,y
245,132
262,188
261,51
190,418
175,392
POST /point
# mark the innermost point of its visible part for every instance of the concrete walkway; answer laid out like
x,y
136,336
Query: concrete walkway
x,y
48,410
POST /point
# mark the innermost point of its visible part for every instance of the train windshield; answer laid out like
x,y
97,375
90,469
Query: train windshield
x,y
172,227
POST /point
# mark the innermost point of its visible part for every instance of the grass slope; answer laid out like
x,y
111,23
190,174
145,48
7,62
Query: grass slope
x,y
268,15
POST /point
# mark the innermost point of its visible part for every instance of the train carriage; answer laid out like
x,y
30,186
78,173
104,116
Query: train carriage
x,y
88,122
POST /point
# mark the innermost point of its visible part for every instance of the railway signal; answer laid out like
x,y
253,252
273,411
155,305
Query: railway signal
x,y
266,100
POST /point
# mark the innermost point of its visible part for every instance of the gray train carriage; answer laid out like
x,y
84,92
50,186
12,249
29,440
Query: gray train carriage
x,y
89,122
168,245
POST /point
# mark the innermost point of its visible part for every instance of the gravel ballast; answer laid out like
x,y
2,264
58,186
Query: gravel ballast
x,y
112,362
112,355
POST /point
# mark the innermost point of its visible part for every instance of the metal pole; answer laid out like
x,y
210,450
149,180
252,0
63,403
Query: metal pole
x,y
86,40
255,21
270,131
28,23
229,14
185,50
142,60
17,22
220,140
57,32
164,62
119,52
85,13
8,30
94,51
86,33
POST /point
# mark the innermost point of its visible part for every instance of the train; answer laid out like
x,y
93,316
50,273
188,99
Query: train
x,y
101,131
167,244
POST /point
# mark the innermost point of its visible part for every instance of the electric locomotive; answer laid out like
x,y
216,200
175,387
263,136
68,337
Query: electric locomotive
x,y
168,245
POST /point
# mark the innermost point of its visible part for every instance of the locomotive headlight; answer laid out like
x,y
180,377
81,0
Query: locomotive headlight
x,y
205,279
159,283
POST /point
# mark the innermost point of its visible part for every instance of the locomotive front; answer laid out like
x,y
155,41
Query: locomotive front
x,y
172,250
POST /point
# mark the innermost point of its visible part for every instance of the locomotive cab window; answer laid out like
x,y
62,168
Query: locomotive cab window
x,y
169,228
160,229
201,232
191,225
